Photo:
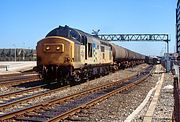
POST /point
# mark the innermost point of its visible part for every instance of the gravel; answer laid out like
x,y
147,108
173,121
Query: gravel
x,y
5,90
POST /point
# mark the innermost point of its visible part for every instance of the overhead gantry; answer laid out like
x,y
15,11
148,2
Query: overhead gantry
x,y
136,37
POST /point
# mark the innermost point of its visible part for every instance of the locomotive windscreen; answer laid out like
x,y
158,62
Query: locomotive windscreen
x,y
58,32
65,32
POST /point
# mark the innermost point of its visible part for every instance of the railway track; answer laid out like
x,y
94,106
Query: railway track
x,y
10,75
60,108
12,96
17,74
30,95
15,80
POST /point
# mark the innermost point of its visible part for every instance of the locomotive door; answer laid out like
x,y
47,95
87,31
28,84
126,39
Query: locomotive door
x,y
83,49
102,53
84,39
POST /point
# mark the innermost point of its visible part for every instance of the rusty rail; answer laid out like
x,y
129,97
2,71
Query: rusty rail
x,y
19,80
20,92
4,76
29,98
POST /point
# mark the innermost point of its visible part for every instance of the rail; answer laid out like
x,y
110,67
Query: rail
x,y
16,80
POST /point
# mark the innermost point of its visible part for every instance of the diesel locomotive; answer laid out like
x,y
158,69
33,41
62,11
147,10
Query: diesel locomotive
x,y
68,54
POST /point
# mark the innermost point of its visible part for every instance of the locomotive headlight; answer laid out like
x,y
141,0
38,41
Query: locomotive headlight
x,y
57,48
47,48
67,59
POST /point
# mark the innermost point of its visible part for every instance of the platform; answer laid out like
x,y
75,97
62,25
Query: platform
x,y
158,104
160,108
16,67
162,103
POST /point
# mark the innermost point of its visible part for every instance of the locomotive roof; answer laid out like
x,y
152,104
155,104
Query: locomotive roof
x,y
72,33
65,31
87,34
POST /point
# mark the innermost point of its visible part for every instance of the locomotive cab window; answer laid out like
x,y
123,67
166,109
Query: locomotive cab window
x,y
89,49
83,40
74,35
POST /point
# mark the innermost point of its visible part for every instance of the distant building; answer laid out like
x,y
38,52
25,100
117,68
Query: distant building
x,y
20,55
178,28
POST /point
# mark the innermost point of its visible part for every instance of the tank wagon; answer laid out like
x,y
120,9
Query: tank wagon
x,y
151,60
68,54
125,57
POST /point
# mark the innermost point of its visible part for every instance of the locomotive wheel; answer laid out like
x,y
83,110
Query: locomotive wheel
x,y
76,76
84,75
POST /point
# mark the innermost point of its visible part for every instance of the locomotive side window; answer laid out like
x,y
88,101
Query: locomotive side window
x,y
103,56
89,49
97,46
110,55
102,48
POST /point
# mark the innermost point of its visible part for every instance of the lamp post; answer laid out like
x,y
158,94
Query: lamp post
x,y
14,52
23,52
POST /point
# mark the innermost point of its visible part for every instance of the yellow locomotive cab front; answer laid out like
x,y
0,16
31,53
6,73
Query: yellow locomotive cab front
x,y
55,50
